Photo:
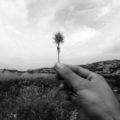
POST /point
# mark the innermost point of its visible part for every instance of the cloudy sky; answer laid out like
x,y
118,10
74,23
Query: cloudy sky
x,y
91,29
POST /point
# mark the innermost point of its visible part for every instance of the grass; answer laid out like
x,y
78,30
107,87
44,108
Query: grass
x,y
33,100
33,95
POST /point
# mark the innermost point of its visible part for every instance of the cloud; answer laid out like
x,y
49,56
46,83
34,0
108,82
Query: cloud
x,y
84,13
38,9
90,27
104,45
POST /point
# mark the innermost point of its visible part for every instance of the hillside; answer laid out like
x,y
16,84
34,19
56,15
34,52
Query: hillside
x,y
33,94
105,68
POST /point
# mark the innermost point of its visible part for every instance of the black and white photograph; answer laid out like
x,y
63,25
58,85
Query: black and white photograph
x,y
59,59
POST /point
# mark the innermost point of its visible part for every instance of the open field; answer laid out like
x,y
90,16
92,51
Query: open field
x,y
33,94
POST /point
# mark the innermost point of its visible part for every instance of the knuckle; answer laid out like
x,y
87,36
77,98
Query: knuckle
x,y
93,75
99,76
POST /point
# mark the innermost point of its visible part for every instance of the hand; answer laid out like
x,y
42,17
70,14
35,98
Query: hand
x,y
93,93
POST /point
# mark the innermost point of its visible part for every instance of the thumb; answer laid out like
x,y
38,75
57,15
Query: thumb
x,y
66,73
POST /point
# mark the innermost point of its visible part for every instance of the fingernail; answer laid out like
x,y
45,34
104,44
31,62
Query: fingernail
x,y
59,65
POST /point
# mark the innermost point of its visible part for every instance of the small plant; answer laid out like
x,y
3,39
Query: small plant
x,y
59,38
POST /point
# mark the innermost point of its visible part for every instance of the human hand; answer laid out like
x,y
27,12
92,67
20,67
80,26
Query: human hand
x,y
93,93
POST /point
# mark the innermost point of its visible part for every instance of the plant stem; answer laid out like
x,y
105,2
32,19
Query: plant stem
x,y
58,49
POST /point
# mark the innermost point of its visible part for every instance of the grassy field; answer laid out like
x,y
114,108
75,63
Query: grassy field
x,y
33,95
36,99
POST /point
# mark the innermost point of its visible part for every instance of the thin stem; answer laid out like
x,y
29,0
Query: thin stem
x,y
58,49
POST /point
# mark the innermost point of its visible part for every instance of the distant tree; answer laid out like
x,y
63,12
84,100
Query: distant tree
x,y
59,38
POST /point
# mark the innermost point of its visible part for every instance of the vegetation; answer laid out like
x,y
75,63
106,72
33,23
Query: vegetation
x,y
33,100
59,38
38,98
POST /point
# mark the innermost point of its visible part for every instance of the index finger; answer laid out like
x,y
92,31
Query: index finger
x,y
85,73
67,74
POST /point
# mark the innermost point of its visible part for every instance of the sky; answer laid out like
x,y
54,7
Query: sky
x,y
91,30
